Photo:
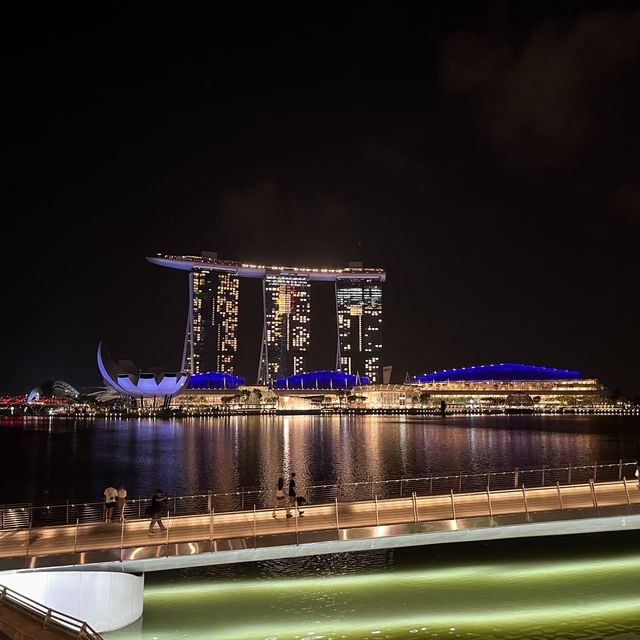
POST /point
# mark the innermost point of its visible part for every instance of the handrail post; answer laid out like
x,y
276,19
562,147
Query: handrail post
x,y
489,502
453,506
460,482
75,542
620,469
543,470
415,507
526,506
626,489
595,470
377,516
255,528
166,544
560,499
337,520
241,498
211,525
431,485
67,516
516,477
593,496
569,476
30,523
488,479
401,487
295,517
121,539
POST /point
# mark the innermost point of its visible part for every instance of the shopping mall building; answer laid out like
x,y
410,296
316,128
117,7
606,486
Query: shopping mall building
x,y
485,388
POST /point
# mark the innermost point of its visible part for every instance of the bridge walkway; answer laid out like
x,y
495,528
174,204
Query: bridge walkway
x,y
19,548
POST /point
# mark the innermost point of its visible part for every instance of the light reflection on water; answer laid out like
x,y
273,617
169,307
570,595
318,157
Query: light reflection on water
x,y
228,454
526,589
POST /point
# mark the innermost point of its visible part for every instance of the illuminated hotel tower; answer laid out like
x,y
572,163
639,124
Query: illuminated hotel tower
x,y
359,309
286,334
211,338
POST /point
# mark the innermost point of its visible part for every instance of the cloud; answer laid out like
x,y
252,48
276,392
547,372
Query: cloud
x,y
546,95
627,202
266,219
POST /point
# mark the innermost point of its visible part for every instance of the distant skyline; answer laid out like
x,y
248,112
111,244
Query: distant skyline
x,y
484,154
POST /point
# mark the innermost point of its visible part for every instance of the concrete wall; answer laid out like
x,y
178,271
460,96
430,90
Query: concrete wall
x,y
105,599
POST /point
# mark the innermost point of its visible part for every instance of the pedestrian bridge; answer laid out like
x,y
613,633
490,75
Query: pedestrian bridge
x,y
340,518
351,517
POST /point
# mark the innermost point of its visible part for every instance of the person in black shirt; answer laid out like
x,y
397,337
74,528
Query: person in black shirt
x,y
292,494
158,502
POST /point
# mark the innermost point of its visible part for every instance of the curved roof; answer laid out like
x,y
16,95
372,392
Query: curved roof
x,y
187,263
320,380
502,371
214,380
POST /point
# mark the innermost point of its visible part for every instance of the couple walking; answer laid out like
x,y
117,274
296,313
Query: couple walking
x,y
287,501
113,497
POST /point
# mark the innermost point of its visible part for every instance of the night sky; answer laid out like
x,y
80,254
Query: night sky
x,y
485,154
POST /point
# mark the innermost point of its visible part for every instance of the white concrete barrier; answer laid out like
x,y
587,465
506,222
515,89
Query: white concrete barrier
x,y
105,599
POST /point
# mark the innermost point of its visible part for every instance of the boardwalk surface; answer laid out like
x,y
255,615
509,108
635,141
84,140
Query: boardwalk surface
x,y
534,504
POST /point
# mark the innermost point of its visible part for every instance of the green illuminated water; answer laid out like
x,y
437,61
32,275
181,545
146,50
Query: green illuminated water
x,y
578,587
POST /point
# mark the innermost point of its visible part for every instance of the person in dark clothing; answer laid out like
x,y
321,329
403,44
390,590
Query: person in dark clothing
x,y
155,509
292,494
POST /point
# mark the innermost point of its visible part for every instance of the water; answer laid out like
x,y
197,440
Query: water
x,y
581,587
575,587
56,460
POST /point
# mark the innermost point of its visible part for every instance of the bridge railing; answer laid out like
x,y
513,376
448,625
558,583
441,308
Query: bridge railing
x,y
26,516
49,617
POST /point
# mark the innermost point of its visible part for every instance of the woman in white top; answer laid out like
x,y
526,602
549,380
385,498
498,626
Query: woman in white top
x,y
280,497
122,501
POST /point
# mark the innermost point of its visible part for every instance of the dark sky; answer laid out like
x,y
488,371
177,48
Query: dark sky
x,y
486,154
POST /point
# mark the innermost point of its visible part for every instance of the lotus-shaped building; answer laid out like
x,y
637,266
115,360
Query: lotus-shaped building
x,y
139,384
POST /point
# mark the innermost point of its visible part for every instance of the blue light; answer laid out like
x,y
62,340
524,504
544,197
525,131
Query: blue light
x,y
502,371
320,380
214,380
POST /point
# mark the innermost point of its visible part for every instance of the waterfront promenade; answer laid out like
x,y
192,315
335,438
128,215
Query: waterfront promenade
x,y
253,534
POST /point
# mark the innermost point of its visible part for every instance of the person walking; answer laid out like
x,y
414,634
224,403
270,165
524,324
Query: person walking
x,y
158,502
122,501
280,497
110,494
292,494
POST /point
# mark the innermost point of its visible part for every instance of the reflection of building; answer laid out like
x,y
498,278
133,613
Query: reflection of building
x,y
359,308
211,336
287,318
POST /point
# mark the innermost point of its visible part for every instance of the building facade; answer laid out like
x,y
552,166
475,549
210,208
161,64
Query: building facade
x,y
211,341
359,312
287,326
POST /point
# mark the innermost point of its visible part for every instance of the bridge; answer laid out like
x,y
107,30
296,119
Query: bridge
x,y
208,529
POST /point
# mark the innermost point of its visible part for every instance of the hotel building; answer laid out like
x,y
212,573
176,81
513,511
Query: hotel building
x,y
359,310
211,334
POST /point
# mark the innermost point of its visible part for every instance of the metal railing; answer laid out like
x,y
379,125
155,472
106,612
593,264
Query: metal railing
x,y
49,617
27,516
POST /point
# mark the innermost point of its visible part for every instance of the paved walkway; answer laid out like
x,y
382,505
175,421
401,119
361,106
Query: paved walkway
x,y
42,542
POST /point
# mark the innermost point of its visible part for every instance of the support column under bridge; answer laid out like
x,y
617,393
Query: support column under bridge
x,y
107,600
